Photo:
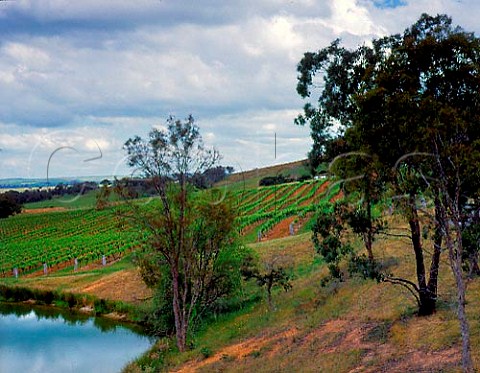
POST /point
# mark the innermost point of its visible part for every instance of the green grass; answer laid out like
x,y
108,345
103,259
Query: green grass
x,y
83,201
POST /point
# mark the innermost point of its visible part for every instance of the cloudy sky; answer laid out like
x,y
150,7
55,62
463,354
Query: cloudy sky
x,y
77,79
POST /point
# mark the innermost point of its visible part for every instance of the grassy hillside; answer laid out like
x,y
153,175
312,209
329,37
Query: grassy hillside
x,y
250,179
70,202
352,326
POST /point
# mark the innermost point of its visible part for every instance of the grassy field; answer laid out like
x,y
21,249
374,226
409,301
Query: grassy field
x,y
250,179
70,202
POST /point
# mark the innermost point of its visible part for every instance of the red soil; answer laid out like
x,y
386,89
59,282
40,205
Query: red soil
x,y
280,230
317,194
336,196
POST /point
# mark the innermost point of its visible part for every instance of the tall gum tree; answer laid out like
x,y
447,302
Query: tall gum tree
x,y
412,102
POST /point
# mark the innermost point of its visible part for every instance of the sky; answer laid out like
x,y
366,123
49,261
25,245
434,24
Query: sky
x,y
78,79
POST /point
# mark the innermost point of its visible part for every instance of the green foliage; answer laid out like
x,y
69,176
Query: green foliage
x,y
360,264
8,206
327,239
330,230
206,352
28,241
274,272
189,232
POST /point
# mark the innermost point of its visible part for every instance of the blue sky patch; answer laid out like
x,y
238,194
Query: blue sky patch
x,y
389,3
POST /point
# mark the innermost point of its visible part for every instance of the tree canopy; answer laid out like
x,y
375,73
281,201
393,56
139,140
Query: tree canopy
x,y
8,206
410,103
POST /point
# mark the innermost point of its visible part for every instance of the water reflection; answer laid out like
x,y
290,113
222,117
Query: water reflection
x,y
41,340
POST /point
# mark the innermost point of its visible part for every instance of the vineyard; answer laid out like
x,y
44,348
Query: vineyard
x,y
59,239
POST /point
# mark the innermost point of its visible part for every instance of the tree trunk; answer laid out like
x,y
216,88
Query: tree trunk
x,y
456,264
368,236
437,250
427,304
269,292
180,324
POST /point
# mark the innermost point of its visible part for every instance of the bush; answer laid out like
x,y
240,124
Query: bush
x,y
8,206
274,180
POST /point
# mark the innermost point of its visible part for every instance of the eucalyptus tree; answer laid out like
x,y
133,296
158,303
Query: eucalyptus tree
x,y
410,101
191,233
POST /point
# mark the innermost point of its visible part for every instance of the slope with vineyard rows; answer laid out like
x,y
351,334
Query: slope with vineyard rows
x,y
29,241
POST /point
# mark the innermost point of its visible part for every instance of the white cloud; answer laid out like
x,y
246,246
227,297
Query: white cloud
x,y
103,71
348,16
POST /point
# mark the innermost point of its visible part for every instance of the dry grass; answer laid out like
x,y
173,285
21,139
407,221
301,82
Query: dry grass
x,y
119,282
355,326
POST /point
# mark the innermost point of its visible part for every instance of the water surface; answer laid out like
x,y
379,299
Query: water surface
x,y
42,340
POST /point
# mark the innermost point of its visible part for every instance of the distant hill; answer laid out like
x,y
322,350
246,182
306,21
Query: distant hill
x,y
26,183
250,179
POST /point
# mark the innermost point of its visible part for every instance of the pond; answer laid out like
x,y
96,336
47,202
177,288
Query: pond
x,y
42,340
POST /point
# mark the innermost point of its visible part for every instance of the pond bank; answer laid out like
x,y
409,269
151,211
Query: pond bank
x,y
72,302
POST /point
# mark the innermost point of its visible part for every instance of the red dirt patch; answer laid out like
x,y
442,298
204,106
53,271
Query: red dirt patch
x,y
240,350
317,194
336,197
250,228
280,230
334,338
